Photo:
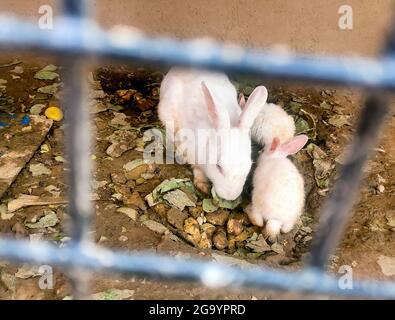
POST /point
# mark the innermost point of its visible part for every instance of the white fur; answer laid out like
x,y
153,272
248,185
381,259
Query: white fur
x,y
187,105
272,122
278,190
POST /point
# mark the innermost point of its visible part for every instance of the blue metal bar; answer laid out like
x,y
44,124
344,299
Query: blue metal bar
x,y
71,36
210,273
75,8
337,208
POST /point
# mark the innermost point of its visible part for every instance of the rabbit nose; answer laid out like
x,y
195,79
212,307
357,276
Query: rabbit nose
x,y
227,195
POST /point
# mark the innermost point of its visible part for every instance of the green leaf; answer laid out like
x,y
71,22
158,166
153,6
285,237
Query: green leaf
x,y
208,206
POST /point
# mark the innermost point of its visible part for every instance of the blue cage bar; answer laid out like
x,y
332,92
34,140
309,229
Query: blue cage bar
x,y
77,37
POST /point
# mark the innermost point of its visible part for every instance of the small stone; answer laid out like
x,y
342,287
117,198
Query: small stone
x,y
208,229
205,242
191,227
306,229
116,149
243,236
140,181
176,218
195,211
161,209
131,184
234,227
39,169
135,200
277,248
123,190
259,245
118,178
8,280
155,226
218,217
123,238
380,188
103,239
220,240
147,176
131,213
200,220
135,173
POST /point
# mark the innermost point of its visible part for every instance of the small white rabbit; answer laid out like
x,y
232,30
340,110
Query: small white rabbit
x,y
197,99
272,121
278,188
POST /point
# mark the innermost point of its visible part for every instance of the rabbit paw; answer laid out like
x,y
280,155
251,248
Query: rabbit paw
x,y
200,180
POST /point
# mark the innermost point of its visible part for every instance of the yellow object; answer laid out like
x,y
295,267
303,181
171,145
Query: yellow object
x,y
54,113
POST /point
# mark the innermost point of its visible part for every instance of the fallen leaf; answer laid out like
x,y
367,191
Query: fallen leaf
x,y
112,294
37,109
339,120
44,148
51,89
222,203
39,169
28,271
259,245
277,248
26,200
46,74
133,164
387,265
4,215
50,67
17,69
208,206
178,199
60,159
131,213
53,190
155,226
49,220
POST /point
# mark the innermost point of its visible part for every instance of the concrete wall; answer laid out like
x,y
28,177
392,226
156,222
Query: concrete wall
x,y
304,25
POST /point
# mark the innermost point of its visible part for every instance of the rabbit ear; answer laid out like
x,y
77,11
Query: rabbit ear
x,y
242,100
219,119
275,144
254,105
293,145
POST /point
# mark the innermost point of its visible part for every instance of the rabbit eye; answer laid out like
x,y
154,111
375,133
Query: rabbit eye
x,y
220,169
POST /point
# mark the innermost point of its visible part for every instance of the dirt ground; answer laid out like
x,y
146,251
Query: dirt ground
x,y
327,115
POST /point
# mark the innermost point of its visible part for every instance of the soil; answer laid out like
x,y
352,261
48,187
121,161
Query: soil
x,y
369,234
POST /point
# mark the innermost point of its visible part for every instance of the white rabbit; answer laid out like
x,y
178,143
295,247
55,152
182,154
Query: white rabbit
x,y
193,100
271,122
278,188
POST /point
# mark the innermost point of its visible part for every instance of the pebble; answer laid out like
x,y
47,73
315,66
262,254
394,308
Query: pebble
x,y
176,218
118,178
208,228
234,227
218,217
220,240
155,226
135,200
161,209
123,238
191,227
205,242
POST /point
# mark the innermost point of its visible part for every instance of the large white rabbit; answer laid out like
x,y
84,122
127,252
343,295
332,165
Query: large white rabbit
x,y
197,99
